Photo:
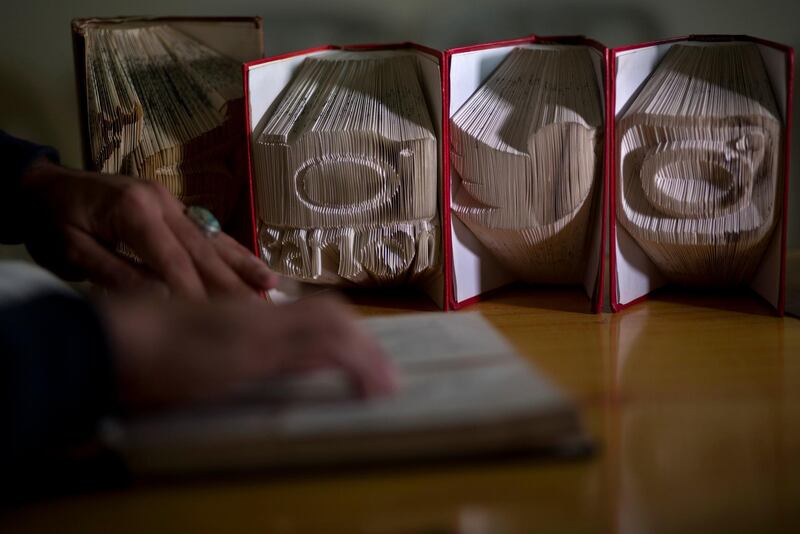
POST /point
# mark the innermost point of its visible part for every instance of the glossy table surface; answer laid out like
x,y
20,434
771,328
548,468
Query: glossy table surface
x,y
694,404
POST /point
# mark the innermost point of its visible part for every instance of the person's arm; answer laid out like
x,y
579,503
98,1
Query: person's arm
x,y
66,363
16,157
57,378
72,221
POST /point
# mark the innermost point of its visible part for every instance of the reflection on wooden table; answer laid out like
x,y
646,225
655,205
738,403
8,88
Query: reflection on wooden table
x,y
695,403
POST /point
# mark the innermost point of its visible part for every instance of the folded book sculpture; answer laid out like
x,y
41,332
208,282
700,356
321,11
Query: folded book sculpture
x,y
527,147
698,164
345,174
167,108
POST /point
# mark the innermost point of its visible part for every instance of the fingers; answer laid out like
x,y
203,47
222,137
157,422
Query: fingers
x,y
224,266
355,350
249,267
217,276
107,268
139,222
372,373
322,332
145,217
172,353
152,222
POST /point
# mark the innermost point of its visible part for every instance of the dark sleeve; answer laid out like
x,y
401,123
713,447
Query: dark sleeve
x,y
57,383
16,156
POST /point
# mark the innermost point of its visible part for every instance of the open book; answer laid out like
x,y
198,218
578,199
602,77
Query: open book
x,y
527,147
162,105
699,164
345,173
464,392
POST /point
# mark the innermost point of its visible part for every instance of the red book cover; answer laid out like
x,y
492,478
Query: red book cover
x,y
265,79
633,276
481,272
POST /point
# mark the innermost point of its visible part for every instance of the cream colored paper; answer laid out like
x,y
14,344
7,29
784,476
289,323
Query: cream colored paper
x,y
345,174
698,164
463,388
165,107
527,148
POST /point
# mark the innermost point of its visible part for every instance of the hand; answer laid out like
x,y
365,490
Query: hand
x,y
171,353
76,219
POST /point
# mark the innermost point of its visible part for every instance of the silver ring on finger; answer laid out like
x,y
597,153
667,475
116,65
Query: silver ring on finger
x,y
204,220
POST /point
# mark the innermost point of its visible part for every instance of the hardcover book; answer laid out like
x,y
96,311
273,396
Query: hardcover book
x,y
161,99
527,165
464,392
346,166
700,166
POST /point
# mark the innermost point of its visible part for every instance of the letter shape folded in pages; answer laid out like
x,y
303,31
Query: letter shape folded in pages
x,y
698,164
346,174
527,147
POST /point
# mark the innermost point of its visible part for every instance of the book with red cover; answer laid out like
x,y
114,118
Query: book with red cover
x,y
473,271
633,274
266,79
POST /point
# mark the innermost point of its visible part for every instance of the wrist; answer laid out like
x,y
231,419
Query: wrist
x,y
21,160
38,172
39,177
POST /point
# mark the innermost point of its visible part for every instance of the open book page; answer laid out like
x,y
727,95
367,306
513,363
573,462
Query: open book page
x,y
464,390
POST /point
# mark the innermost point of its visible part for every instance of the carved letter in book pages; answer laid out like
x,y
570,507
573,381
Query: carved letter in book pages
x,y
346,174
698,164
167,108
527,147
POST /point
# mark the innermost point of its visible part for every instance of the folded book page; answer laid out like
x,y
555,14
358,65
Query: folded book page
x,y
346,174
699,164
527,148
463,390
167,108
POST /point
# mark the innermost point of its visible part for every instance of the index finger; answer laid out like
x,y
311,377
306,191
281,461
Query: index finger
x,y
140,223
327,334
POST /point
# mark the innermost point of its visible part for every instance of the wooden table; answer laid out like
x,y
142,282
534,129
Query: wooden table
x,y
696,411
